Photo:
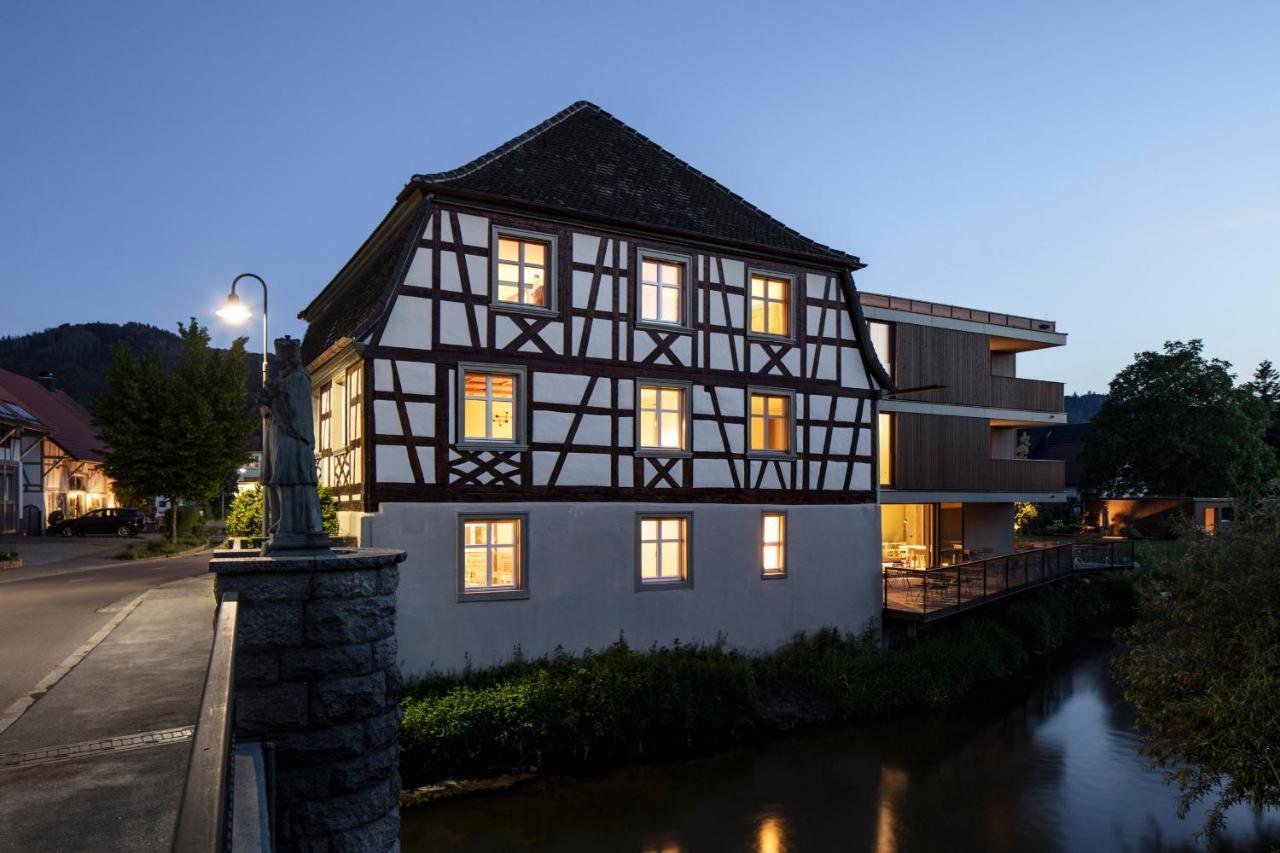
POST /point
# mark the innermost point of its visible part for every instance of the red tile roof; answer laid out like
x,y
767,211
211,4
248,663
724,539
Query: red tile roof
x,y
69,422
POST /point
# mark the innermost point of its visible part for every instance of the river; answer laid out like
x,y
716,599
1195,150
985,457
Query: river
x,y
1049,764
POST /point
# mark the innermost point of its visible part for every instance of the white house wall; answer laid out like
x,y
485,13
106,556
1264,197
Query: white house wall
x,y
581,580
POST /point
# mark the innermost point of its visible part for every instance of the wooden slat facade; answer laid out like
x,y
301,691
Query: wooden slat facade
x,y
961,363
952,453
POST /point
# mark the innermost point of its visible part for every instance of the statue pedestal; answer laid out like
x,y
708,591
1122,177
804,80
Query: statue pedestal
x,y
316,676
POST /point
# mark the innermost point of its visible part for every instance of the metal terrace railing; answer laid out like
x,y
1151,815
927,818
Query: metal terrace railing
x,y
928,594
205,811
1103,556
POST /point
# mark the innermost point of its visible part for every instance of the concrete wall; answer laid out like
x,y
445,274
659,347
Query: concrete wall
x,y
581,578
989,525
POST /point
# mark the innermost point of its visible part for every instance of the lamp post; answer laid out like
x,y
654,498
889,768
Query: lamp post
x,y
236,312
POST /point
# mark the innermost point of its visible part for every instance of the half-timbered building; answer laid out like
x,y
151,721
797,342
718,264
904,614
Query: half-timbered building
x,y
594,393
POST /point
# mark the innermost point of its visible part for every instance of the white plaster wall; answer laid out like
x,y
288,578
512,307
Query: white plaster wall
x,y
409,325
581,575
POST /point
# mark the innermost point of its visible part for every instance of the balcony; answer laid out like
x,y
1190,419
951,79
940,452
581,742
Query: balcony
x,y
1026,475
1032,395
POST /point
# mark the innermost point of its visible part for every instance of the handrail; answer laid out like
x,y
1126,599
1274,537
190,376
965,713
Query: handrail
x,y
204,812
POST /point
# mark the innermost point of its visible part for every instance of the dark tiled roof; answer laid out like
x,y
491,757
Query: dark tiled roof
x,y
358,302
584,160
70,424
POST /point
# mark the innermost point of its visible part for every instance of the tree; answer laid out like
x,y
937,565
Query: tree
x,y
1174,423
1203,666
178,434
1265,388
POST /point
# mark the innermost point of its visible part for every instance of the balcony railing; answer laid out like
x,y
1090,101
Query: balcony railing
x,y
927,594
1032,395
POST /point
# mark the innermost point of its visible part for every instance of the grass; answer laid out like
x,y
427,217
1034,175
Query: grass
x,y
618,705
161,547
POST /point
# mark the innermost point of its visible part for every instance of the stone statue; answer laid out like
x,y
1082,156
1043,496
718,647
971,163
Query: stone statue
x,y
289,462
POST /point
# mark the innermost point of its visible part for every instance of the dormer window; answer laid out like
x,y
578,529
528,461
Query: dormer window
x,y
523,270
664,289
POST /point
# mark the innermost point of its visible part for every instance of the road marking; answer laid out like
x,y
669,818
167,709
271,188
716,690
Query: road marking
x,y
70,751
15,711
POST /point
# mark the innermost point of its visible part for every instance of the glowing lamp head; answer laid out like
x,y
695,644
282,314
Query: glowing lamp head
x,y
235,311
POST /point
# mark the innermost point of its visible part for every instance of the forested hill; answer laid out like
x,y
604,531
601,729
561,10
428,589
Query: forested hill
x,y
1082,407
79,354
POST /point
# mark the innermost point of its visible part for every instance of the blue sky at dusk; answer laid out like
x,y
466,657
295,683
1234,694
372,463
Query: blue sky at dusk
x,y
1114,167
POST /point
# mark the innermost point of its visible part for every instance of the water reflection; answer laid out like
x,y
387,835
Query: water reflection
x,y
772,836
1048,766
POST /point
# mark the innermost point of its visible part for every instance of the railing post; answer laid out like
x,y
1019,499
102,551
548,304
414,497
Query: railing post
x,y
959,583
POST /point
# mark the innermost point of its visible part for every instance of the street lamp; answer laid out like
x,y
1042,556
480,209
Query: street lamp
x,y
236,312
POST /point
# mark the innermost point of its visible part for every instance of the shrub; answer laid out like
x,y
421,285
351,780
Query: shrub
x,y
244,517
617,705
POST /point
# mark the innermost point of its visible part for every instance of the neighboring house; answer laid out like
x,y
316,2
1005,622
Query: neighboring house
x,y
1155,517
594,393
22,437
72,480
949,468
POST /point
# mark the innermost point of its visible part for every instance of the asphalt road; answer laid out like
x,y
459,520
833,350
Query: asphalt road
x,y
51,610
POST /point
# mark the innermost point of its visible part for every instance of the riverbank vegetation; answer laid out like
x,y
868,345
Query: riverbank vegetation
x,y
618,705
1203,665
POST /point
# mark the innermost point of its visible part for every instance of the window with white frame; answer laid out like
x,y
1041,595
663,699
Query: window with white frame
x,y
773,543
491,555
771,428
664,549
325,418
662,289
490,406
663,417
523,269
355,403
770,307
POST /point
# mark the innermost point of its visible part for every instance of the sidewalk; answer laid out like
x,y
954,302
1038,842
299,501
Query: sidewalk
x,y
98,762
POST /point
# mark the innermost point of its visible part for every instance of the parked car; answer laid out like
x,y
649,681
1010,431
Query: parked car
x,y
117,521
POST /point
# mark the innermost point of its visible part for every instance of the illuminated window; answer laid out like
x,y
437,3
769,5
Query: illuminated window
x,y
523,269
326,417
770,305
773,544
355,404
663,295
663,418
492,556
663,550
885,440
490,410
770,423
882,343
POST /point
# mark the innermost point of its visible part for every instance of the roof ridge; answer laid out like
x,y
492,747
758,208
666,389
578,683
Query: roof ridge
x,y
508,146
